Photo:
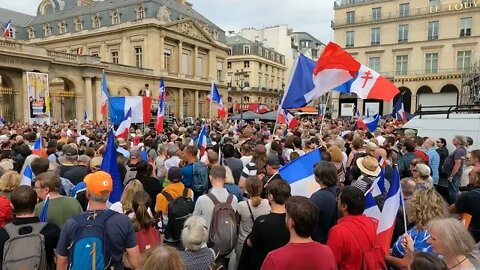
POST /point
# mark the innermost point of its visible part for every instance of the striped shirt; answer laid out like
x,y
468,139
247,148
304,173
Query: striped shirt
x,y
249,170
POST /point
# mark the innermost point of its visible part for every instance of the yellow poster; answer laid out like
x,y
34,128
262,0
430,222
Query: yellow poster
x,y
38,97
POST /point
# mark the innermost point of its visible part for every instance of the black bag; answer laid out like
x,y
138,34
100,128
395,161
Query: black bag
x,y
179,210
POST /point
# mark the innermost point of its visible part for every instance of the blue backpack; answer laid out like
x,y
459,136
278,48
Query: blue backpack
x,y
200,178
89,249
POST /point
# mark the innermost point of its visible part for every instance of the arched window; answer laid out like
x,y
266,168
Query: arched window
x,y
96,21
47,30
62,27
140,13
31,33
78,24
115,17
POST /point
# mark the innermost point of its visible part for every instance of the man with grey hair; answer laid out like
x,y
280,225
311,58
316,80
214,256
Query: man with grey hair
x,y
378,135
121,235
453,167
160,160
433,159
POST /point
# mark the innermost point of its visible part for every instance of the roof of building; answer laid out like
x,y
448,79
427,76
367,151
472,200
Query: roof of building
x,y
18,19
305,34
231,40
99,6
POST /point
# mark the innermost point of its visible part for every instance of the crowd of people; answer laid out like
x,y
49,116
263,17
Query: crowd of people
x,y
228,207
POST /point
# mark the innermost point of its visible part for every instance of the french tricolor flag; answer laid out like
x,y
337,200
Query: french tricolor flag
x,y
7,29
161,108
399,110
124,127
285,117
216,98
27,176
369,123
337,69
104,97
386,217
140,109
202,140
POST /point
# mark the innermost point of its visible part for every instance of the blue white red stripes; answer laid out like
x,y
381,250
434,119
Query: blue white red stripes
x,y
286,117
369,123
161,107
104,97
399,110
140,106
202,140
216,98
27,176
124,127
7,29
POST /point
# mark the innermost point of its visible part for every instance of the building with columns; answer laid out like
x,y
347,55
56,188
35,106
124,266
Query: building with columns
x,y
264,74
136,41
427,48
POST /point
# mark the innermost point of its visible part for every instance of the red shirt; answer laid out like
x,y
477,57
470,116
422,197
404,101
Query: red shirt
x,y
345,248
306,256
419,153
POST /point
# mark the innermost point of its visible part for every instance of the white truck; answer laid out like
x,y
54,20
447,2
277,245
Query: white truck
x,y
446,122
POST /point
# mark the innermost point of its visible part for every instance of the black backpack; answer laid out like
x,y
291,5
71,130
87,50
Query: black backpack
x,y
179,210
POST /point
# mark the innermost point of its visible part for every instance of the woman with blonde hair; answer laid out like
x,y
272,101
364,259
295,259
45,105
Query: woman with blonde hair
x,y
8,182
338,160
249,210
421,176
124,206
194,238
423,206
163,258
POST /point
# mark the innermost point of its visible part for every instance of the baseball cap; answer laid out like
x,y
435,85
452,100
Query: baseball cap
x,y
99,183
70,151
175,174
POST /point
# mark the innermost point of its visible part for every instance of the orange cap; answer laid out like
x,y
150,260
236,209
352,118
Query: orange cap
x,y
99,183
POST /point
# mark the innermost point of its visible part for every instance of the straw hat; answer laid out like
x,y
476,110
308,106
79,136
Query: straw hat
x,y
368,165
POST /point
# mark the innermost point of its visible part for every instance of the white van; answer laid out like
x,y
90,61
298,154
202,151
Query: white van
x,y
447,126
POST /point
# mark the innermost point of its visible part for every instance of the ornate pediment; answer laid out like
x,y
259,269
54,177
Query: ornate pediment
x,y
190,28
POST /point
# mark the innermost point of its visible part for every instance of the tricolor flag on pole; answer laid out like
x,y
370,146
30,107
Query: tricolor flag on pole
x,y
370,123
104,98
299,174
110,165
399,110
7,29
161,108
124,127
44,214
85,116
216,98
202,140
386,218
286,117
27,176
37,146
337,69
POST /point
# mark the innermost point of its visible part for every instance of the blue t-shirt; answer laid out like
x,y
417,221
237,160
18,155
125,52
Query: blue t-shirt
x,y
420,244
187,172
121,236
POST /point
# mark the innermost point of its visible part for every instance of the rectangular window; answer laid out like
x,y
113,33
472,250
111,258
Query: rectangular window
x,y
229,64
433,30
166,59
431,63
374,63
229,51
62,28
375,36
200,66
466,27
96,22
78,25
266,53
403,33
350,17
115,18
434,3
246,49
464,60
376,14
138,57
184,62
219,71
350,39
260,51
48,30
404,9
401,65
246,64
114,55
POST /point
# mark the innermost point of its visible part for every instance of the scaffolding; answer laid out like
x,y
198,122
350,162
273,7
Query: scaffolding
x,y
470,92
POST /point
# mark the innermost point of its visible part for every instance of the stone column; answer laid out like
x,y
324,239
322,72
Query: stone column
x,y
162,50
88,97
360,106
212,66
79,104
124,57
98,98
180,103
195,59
413,105
195,101
180,51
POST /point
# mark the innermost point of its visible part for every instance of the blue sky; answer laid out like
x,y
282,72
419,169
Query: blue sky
x,y
312,16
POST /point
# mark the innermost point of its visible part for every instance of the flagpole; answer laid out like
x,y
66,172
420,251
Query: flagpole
x,y
323,118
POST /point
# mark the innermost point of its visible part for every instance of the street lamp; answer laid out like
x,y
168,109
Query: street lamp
x,y
240,79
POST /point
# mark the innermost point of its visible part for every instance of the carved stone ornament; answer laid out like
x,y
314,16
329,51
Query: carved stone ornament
x,y
163,14
189,29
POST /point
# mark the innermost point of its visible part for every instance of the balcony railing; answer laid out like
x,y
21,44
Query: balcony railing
x,y
417,12
422,72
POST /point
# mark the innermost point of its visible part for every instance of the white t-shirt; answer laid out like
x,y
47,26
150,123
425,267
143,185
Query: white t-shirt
x,y
246,222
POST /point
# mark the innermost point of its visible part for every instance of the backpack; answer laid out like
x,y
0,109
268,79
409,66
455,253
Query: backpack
x,y
200,178
130,174
374,258
222,236
147,239
179,210
89,248
26,251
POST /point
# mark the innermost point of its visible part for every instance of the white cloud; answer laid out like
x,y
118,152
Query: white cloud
x,y
312,16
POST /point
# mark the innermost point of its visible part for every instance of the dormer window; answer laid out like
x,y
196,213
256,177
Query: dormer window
x,y
78,24
96,21
115,17
140,13
31,33
62,27
47,30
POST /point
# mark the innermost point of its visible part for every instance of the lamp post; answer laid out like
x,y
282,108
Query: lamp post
x,y
240,79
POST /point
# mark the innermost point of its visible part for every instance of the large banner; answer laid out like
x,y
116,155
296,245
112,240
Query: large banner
x,y
38,98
